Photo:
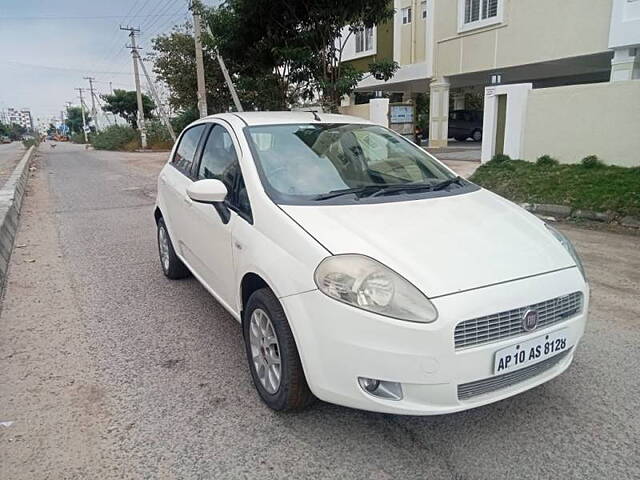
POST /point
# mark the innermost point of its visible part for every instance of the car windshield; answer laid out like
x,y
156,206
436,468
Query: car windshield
x,y
315,162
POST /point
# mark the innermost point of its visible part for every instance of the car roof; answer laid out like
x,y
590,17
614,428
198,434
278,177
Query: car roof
x,y
280,118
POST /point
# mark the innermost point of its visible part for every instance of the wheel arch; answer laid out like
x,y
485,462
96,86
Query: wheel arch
x,y
157,214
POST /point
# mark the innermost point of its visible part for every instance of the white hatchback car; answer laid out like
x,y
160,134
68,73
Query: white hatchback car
x,y
365,272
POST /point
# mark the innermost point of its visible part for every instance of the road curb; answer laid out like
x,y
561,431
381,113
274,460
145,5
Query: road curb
x,y
11,196
554,212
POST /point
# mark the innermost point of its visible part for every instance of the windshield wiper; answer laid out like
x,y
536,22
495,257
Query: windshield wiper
x,y
407,187
446,183
347,191
402,188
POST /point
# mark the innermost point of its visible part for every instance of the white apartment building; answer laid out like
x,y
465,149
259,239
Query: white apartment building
x,y
557,77
20,117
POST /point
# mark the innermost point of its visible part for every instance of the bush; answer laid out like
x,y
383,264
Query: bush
x,y
607,188
185,118
77,137
592,161
546,161
158,136
30,142
500,158
116,137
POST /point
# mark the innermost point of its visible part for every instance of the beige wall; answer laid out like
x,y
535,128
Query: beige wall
x,y
531,31
361,111
572,122
412,32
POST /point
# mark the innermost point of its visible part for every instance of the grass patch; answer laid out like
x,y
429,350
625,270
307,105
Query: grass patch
x,y
605,188
116,137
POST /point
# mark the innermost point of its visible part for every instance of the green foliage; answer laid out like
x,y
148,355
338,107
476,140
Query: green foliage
x,y
116,137
13,131
74,119
180,122
30,142
278,52
158,137
607,188
546,161
500,158
125,104
591,161
77,138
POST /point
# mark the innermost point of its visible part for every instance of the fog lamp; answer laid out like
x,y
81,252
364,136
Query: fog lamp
x,y
381,388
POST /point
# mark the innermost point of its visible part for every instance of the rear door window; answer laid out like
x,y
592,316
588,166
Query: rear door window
x,y
186,151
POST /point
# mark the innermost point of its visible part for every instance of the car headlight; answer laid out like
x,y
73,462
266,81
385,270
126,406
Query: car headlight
x,y
566,243
364,283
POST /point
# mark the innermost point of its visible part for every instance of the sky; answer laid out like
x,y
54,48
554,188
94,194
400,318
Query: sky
x,y
48,46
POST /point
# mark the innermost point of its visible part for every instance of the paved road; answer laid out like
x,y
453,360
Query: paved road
x,y
111,371
10,155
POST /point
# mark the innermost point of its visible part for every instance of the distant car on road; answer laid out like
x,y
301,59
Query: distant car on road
x,y
465,124
364,272
5,139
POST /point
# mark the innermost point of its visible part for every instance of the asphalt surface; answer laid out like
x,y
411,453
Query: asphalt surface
x,y
10,155
109,370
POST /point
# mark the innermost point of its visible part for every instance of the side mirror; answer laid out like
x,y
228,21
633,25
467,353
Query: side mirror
x,y
207,191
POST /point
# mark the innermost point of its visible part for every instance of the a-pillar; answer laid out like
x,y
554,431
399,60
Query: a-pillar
x,y
438,113
625,64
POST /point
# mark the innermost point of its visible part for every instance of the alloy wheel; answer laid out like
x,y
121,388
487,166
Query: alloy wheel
x,y
265,351
163,243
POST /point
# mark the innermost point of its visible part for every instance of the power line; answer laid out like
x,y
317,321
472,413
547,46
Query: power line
x,y
97,17
69,69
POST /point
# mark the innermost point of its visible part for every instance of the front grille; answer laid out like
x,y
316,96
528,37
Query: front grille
x,y
509,323
491,384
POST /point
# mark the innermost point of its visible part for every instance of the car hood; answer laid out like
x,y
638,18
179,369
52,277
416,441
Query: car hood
x,y
442,245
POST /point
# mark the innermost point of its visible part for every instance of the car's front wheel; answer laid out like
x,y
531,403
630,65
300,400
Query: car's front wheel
x,y
477,135
272,354
172,266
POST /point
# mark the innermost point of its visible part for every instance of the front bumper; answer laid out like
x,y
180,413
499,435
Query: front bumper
x,y
339,343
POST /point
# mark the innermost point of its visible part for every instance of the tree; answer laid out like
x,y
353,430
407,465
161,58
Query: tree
x,y
174,63
301,41
74,119
125,104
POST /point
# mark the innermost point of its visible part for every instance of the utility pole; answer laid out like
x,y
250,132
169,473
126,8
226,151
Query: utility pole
x,y
227,78
136,77
156,97
197,34
84,121
94,112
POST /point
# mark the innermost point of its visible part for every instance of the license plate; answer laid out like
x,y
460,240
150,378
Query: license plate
x,y
530,352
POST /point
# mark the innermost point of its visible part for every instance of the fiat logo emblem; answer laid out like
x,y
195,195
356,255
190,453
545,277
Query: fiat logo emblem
x,y
530,320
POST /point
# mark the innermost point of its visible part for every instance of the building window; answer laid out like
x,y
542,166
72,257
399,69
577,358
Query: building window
x,y
479,13
364,39
406,15
423,6
476,10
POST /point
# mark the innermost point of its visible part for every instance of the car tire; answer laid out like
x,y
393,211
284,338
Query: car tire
x,y
477,135
172,266
268,340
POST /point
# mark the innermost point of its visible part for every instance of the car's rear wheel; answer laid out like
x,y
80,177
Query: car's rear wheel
x,y
273,357
477,135
172,266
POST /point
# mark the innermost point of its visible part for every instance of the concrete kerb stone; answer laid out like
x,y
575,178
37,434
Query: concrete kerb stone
x,y
11,196
555,212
